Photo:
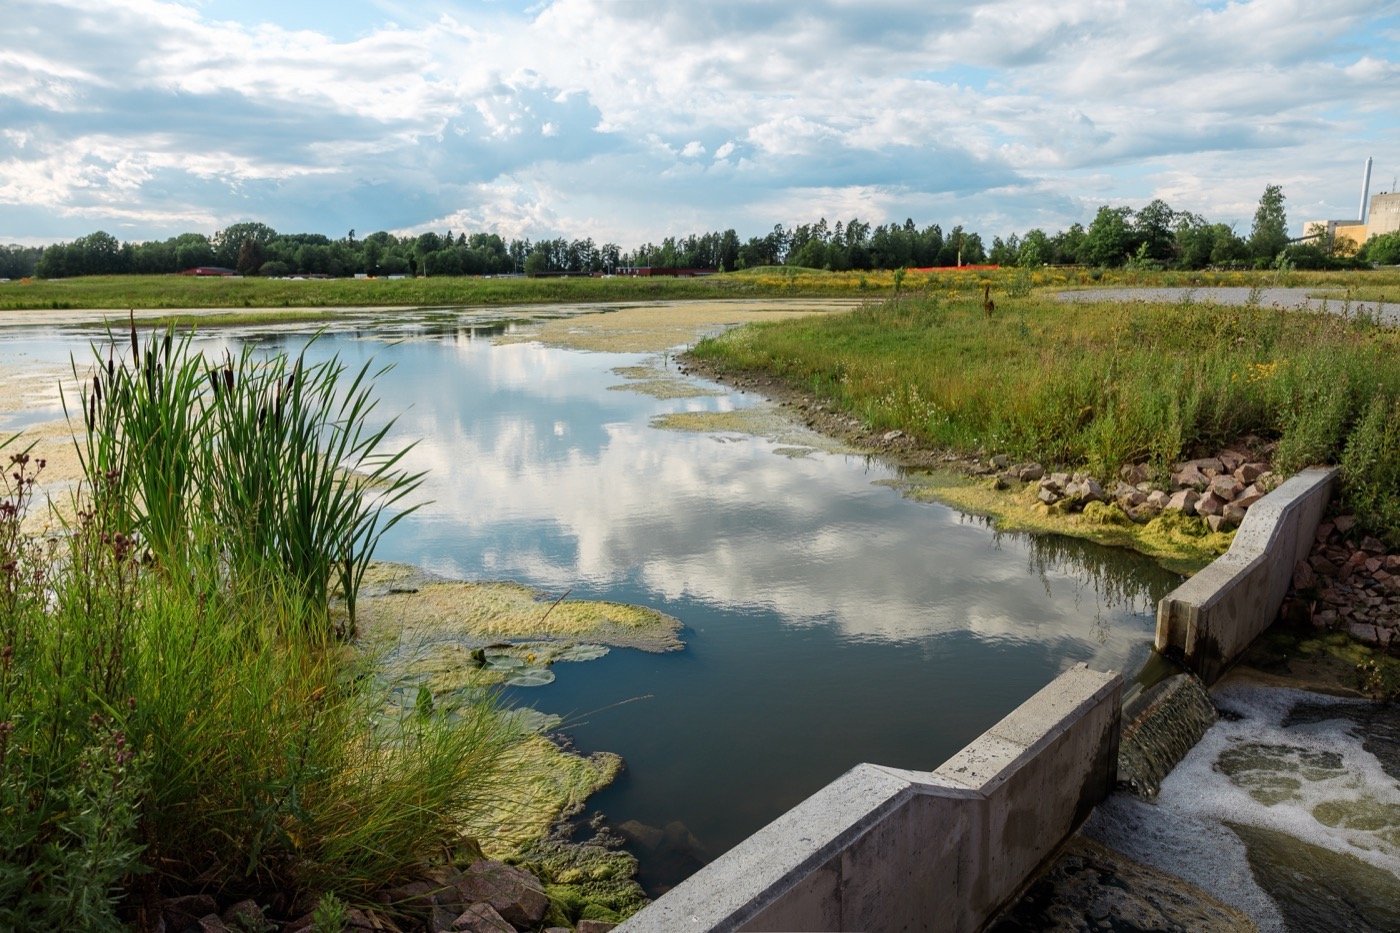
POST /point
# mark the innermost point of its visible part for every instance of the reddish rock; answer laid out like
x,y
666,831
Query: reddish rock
x,y
1248,497
516,894
1322,565
1158,499
1304,578
1324,531
1210,504
1190,477
1249,472
482,918
1135,473
1231,460
1344,523
1233,514
595,926
1031,472
1184,501
1372,546
1226,487
1217,523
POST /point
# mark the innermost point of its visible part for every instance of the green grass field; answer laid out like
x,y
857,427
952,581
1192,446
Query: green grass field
x,y
180,292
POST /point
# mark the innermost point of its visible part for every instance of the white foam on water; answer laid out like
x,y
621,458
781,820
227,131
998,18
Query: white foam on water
x,y
1253,770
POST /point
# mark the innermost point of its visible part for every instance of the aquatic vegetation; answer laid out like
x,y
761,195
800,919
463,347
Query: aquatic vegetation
x,y
421,610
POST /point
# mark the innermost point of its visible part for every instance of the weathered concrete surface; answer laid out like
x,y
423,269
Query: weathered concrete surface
x,y
1212,617
885,849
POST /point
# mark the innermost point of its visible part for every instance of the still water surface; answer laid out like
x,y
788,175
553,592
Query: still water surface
x,y
828,620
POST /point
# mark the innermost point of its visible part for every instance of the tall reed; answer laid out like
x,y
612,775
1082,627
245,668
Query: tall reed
x,y
272,461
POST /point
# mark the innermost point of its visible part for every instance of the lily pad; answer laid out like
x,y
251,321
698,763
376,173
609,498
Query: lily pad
x,y
497,660
581,653
530,677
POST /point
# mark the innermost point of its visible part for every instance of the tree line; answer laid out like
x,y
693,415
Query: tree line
x,y
1153,236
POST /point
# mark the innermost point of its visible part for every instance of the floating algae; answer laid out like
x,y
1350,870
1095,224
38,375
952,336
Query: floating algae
x,y
1178,542
406,604
763,421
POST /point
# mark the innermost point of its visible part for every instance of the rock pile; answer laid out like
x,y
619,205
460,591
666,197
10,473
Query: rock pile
x,y
487,897
1348,585
1218,489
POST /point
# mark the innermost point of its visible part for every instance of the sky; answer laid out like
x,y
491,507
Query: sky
x,y
631,121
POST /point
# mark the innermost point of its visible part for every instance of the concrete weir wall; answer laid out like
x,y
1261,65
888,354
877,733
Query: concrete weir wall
x,y
885,849
1212,617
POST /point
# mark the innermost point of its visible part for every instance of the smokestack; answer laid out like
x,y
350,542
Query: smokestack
x,y
1365,190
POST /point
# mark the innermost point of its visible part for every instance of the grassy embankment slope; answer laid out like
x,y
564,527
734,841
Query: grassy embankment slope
x,y
1096,386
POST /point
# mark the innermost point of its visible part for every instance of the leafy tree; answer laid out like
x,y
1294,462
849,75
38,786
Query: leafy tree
x,y
1109,240
1153,228
228,241
1035,249
251,256
1382,249
1269,235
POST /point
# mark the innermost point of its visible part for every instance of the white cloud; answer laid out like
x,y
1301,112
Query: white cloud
x,y
582,115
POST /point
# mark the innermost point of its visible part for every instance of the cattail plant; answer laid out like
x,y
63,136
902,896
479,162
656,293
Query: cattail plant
x,y
269,460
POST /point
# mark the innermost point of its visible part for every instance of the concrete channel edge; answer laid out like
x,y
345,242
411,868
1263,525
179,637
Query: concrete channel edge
x,y
882,848
1212,617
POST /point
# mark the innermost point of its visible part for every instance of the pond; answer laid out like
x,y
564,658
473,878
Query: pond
x,y
828,620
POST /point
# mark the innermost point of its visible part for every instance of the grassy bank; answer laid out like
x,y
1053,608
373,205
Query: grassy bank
x,y
1103,385
176,291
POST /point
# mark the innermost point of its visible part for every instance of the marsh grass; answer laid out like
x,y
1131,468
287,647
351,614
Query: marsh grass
x,y
175,716
270,461
1076,385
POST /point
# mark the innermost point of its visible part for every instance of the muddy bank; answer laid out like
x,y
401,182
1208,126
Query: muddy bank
x,y
653,328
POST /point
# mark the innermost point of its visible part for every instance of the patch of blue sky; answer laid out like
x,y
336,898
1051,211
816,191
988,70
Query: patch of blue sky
x,y
968,76
340,21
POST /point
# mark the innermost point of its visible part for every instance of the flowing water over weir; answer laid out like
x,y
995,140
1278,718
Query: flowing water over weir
x,y
1288,809
1160,726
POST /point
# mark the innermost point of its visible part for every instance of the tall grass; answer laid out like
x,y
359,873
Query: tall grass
x,y
1101,385
169,721
270,461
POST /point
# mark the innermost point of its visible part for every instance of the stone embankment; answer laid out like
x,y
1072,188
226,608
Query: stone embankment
x,y
1346,584
486,897
1218,489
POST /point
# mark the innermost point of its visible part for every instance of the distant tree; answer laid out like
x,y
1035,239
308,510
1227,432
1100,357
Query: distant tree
x,y
1035,249
1109,240
1153,228
1382,249
251,256
536,262
228,241
1269,235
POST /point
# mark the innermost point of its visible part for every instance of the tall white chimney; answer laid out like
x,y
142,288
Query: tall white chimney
x,y
1365,190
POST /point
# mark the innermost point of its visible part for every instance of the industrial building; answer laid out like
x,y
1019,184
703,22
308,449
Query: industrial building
x,y
1382,215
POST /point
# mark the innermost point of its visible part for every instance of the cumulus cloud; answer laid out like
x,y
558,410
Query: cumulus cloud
x,y
581,117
